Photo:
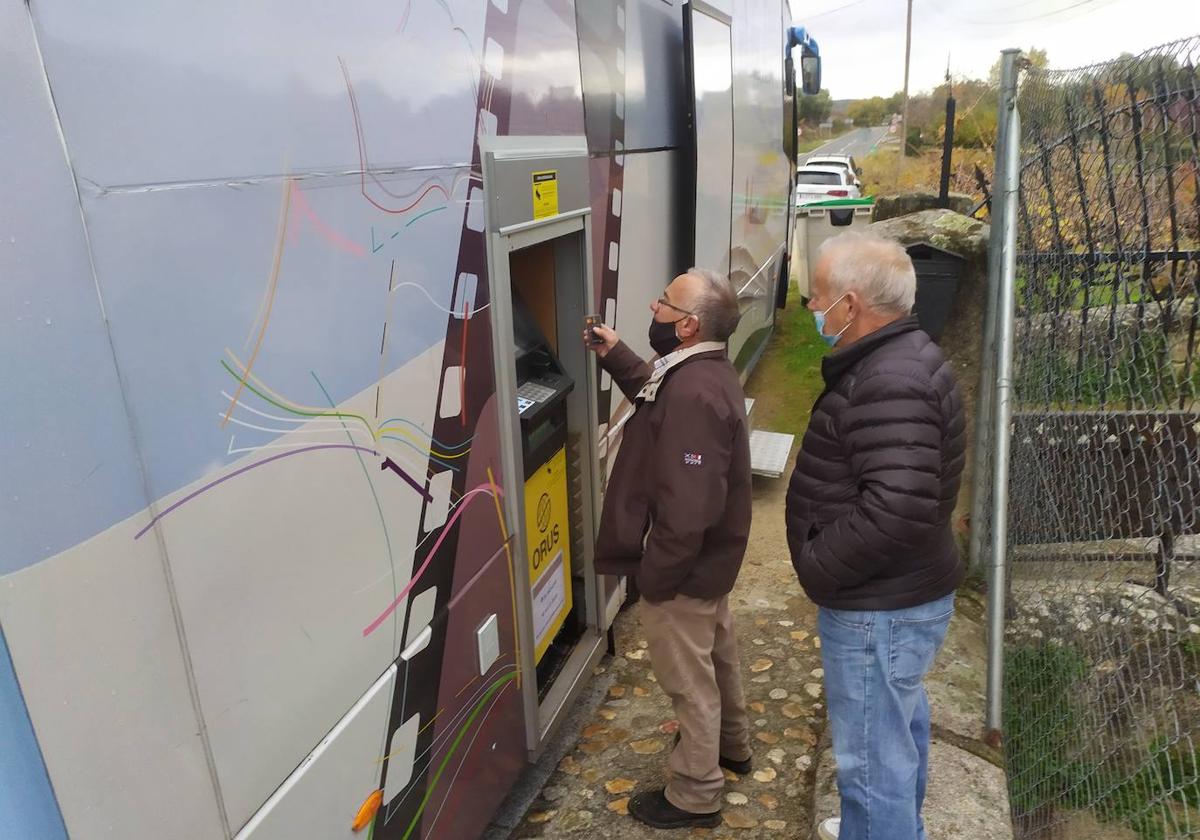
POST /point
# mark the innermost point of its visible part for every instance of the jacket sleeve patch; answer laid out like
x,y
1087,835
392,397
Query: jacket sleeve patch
x,y
693,459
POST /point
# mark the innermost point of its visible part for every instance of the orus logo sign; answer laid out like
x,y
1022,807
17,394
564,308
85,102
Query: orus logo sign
x,y
547,537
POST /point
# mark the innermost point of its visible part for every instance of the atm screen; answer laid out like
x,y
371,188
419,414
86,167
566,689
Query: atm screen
x,y
542,385
526,334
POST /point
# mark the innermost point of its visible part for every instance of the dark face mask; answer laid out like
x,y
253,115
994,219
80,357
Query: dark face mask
x,y
662,336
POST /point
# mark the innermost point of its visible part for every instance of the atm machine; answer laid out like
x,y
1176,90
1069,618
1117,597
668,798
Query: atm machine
x,y
542,390
540,285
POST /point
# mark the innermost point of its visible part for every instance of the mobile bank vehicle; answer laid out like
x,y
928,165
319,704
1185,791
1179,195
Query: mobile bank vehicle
x,y
302,455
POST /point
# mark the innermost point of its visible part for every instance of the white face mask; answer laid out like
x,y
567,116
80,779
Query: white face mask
x,y
831,340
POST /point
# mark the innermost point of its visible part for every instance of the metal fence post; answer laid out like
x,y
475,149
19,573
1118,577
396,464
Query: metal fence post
x,y
1006,312
981,476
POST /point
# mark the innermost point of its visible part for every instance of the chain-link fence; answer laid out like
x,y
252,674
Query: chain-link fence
x,y
1101,654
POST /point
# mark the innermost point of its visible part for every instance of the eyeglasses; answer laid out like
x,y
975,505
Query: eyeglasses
x,y
662,301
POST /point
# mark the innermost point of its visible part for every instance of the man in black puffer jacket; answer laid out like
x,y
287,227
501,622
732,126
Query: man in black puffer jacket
x,y
868,526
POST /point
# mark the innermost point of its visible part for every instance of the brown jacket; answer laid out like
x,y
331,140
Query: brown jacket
x,y
677,507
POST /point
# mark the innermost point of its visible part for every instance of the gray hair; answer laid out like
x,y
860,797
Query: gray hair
x,y
878,269
717,308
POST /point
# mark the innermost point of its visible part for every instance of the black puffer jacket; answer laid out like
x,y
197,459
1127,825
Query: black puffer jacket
x,y
870,501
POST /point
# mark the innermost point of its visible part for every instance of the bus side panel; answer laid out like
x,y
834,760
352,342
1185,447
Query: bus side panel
x,y
760,171
279,327
630,53
473,753
26,798
479,736
544,71
632,74
649,224
484,763
481,587
654,87
96,661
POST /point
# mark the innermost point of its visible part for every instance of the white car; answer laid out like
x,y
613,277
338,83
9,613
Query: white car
x,y
846,162
823,183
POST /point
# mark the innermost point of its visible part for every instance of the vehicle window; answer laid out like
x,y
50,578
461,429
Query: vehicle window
x,y
819,178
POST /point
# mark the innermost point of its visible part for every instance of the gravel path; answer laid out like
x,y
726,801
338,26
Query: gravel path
x,y
623,747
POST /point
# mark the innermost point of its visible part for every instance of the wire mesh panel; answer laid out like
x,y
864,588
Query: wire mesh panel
x,y
1102,641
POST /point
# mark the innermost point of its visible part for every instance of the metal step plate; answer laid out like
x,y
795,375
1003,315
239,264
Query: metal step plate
x,y
769,452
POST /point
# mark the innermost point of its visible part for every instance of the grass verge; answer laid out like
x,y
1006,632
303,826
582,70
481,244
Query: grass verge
x,y
788,378
921,173
1153,789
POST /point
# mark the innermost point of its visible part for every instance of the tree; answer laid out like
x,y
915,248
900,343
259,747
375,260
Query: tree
x,y
814,110
915,142
1147,73
976,104
868,112
976,129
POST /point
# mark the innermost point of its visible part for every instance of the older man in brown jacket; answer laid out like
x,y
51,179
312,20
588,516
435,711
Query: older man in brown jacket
x,y
676,517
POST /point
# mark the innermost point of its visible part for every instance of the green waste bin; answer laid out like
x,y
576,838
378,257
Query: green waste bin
x,y
817,222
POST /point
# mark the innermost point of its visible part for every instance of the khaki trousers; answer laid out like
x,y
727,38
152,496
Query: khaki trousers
x,y
694,654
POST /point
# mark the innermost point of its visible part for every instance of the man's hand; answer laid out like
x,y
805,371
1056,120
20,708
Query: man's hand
x,y
608,340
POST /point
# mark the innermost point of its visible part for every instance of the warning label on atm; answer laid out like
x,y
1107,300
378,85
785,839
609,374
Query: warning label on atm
x,y
545,194
550,604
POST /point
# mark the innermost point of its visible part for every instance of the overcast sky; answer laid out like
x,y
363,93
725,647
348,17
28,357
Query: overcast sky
x,y
862,41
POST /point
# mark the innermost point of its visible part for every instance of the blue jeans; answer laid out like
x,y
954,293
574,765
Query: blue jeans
x,y
875,662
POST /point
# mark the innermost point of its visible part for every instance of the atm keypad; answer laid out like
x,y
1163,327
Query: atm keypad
x,y
533,392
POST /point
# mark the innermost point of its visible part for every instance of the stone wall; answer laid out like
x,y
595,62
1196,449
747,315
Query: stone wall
x,y
962,339
1119,326
905,204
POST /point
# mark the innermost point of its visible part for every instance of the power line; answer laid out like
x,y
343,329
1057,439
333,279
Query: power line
x,y
1050,14
807,18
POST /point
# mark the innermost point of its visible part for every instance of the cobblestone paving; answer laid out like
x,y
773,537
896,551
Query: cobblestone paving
x,y
624,747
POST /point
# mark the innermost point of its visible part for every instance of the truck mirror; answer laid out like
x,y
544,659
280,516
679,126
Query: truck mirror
x,y
810,72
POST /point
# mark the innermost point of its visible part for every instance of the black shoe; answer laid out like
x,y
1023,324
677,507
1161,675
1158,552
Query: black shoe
x,y
653,809
739,767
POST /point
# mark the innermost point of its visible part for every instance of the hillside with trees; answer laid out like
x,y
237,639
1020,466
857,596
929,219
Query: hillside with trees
x,y
975,127
975,120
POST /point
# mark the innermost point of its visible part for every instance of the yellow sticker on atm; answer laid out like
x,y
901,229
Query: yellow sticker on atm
x,y
548,542
545,194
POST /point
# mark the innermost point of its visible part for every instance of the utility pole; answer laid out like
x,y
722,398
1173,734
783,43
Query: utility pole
x,y
904,105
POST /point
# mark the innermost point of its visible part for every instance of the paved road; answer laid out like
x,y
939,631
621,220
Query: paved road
x,y
858,143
